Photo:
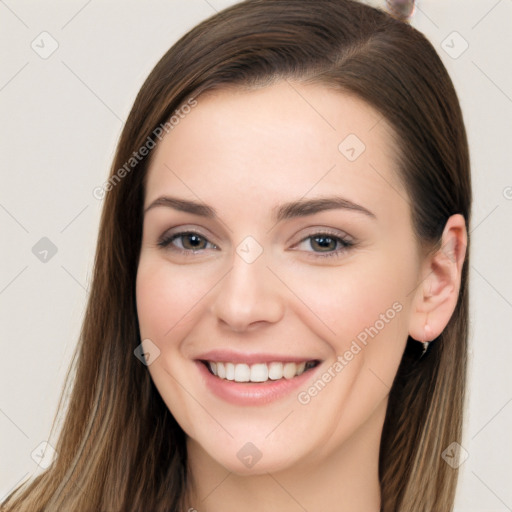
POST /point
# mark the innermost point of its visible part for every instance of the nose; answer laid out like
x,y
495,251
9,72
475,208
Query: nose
x,y
248,296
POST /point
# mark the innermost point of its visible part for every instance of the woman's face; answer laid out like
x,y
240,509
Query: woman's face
x,y
277,248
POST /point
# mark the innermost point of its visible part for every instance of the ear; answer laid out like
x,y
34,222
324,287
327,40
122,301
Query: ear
x,y
436,297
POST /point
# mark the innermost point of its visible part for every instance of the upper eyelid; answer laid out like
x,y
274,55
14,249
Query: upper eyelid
x,y
317,230
344,241
168,238
183,230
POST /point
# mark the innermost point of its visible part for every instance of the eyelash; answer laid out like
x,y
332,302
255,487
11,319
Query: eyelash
x,y
166,243
345,243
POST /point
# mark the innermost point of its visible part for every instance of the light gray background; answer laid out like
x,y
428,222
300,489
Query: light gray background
x,y
61,119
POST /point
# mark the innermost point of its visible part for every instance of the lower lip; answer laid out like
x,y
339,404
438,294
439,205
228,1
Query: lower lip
x,y
252,393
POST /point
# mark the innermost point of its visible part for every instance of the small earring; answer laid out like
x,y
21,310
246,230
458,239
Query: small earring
x,y
428,335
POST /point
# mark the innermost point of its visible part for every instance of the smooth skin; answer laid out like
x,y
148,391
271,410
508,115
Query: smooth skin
x,y
244,153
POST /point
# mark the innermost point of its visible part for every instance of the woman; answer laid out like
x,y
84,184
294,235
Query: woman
x,y
278,313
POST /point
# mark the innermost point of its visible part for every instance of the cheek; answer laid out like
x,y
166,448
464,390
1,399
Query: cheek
x,y
348,299
365,307
167,297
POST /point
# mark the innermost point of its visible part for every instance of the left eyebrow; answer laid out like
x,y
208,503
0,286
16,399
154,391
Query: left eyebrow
x,y
302,207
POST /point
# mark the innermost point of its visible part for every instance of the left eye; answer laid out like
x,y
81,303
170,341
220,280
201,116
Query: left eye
x,y
324,243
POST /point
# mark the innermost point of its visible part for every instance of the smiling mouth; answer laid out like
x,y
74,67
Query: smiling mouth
x,y
259,372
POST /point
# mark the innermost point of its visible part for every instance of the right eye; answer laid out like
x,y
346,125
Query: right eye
x,y
188,242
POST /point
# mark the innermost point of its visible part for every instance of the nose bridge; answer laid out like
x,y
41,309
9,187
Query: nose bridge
x,y
249,292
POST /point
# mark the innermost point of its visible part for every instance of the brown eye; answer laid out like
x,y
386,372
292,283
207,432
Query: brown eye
x,y
186,241
193,242
323,243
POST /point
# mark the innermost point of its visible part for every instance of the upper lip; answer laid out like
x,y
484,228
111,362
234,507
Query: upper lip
x,y
253,358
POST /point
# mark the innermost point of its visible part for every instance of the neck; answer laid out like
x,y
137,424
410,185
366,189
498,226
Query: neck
x,y
346,480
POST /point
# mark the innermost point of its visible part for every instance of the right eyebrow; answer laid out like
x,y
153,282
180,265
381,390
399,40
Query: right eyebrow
x,y
183,205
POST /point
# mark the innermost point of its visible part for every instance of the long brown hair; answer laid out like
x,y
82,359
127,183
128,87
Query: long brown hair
x,y
120,449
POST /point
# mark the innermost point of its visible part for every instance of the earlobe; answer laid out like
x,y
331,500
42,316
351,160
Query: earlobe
x,y
437,295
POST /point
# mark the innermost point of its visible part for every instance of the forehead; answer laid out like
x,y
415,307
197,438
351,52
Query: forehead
x,y
282,141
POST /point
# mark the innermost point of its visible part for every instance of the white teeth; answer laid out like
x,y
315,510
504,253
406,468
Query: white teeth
x,y
275,371
289,370
221,370
259,372
230,371
242,373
